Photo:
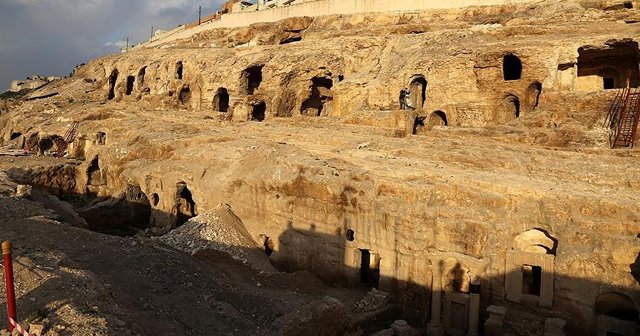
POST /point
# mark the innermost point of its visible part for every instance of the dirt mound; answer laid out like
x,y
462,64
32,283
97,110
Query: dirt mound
x,y
219,230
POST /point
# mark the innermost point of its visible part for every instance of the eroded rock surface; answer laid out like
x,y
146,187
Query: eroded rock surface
x,y
507,187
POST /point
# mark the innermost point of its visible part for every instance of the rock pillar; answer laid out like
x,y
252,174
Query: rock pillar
x,y
435,325
554,327
474,308
493,325
401,328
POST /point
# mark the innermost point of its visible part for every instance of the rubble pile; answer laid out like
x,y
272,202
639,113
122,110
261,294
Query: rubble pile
x,y
219,230
374,300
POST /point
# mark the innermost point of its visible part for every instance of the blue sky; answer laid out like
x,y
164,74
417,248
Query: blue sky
x,y
49,37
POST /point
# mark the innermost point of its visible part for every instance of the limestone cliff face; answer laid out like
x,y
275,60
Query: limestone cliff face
x,y
459,54
524,156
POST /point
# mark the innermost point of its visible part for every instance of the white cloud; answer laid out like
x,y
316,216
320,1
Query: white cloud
x,y
118,44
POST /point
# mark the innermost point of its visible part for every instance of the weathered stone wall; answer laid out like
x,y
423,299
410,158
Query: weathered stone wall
x,y
323,8
469,88
336,7
307,209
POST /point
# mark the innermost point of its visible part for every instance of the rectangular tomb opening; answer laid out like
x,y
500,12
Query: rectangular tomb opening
x,y
609,66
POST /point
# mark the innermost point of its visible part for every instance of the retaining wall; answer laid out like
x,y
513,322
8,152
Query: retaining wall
x,y
333,7
325,7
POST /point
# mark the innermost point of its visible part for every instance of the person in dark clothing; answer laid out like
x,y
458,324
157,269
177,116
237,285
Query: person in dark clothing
x,y
403,98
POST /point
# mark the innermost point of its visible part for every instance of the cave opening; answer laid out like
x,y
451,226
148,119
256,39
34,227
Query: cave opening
x,y
531,280
94,176
45,144
511,67
609,83
52,144
141,74
179,69
512,107
351,235
113,78
616,314
221,100
369,268
185,205
438,118
319,99
532,98
130,82
617,305
122,215
608,67
184,97
258,111
418,125
101,138
251,79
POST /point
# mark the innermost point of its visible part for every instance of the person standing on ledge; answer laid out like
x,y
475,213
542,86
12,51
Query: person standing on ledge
x,y
403,98
407,100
